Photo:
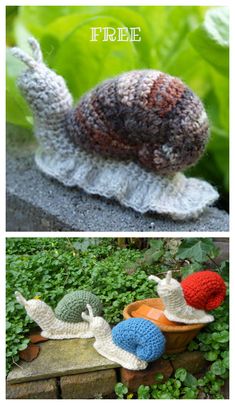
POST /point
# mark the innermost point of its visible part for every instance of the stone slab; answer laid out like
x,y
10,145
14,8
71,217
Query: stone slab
x,y
98,384
38,203
59,358
33,390
133,379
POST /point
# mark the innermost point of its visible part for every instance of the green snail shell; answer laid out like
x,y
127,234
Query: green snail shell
x,y
71,306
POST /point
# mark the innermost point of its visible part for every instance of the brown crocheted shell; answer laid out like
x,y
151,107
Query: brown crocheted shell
x,y
144,116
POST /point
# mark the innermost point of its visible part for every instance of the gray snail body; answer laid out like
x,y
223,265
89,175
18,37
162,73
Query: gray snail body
x,y
141,127
131,343
66,321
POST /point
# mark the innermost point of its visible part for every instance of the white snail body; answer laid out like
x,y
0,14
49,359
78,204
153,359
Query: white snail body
x,y
119,141
53,327
110,343
205,289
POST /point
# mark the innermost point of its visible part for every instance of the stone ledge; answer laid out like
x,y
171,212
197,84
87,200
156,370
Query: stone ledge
x,y
61,357
38,203
43,389
82,373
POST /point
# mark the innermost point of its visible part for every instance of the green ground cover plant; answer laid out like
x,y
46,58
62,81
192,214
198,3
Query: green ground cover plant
x,y
47,267
188,42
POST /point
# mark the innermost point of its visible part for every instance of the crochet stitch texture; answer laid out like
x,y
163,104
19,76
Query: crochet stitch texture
x,y
177,309
144,116
126,139
52,327
106,346
140,337
71,306
204,290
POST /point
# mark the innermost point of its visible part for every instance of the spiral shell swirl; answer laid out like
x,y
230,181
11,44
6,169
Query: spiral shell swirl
x,y
145,116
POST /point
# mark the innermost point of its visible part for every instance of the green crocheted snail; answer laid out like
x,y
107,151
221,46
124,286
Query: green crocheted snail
x,y
66,321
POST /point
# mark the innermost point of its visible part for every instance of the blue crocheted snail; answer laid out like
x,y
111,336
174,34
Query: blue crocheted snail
x,y
131,343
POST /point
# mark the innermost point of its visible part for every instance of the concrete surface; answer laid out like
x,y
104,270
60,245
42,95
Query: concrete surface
x,y
59,358
38,203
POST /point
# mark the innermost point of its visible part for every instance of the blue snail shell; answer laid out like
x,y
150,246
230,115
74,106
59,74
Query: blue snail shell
x,y
140,337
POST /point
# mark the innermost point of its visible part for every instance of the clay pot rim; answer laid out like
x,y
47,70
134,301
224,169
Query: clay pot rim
x,y
159,305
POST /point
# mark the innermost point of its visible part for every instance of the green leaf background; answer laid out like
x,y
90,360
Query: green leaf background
x,y
189,42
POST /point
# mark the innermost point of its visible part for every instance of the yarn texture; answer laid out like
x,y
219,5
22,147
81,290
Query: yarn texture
x,y
127,139
176,307
52,327
122,352
144,116
140,337
204,290
71,306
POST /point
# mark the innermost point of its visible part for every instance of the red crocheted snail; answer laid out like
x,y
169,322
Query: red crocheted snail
x,y
187,301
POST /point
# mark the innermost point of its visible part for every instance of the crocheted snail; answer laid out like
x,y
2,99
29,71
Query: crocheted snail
x,y
127,139
187,301
131,343
66,321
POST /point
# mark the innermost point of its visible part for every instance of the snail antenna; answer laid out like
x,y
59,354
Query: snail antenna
x,y
88,317
30,61
20,298
168,277
90,311
24,57
37,53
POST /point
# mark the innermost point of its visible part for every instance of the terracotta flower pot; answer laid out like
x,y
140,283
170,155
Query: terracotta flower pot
x,y
178,336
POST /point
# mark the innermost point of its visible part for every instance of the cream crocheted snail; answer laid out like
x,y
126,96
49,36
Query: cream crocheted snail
x,y
131,343
127,139
66,321
187,301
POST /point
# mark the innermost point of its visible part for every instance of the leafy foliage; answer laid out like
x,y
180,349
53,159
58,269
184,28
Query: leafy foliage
x,y
120,390
188,42
183,385
213,341
198,250
211,39
182,257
